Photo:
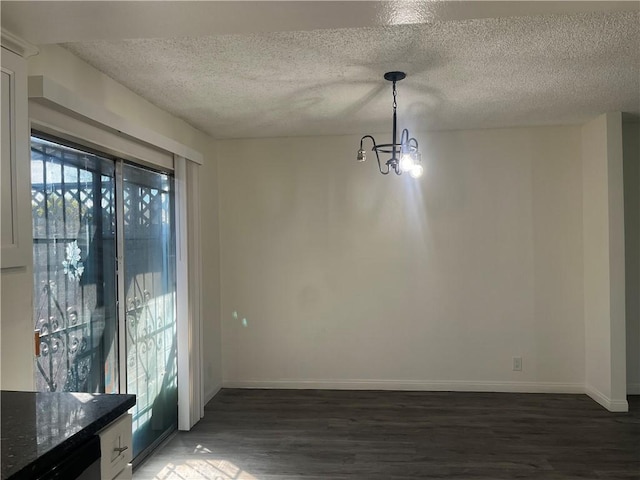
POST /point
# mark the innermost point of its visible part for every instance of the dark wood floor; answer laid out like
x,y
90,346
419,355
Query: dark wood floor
x,y
340,435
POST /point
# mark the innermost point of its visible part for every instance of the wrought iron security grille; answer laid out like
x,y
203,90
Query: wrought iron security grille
x,y
73,236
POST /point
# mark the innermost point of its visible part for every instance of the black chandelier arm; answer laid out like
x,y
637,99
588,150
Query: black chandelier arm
x,y
373,140
405,141
374,149
380,165
404,138
414,141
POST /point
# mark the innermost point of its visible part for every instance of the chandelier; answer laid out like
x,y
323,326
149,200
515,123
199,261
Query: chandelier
x,y
405,156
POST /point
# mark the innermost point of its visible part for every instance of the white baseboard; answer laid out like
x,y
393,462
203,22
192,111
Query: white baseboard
x,y
208,395
633,389
411,385
608,403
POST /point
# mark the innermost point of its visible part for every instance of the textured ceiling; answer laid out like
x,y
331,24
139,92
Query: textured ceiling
x,y
472,73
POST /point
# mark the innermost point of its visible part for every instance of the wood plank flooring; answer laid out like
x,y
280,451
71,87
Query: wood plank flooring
x,y
348,435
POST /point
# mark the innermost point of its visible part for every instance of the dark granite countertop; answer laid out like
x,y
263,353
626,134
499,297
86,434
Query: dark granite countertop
x,y
40,429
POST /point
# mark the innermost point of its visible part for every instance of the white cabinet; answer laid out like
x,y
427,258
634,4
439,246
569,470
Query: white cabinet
x,y
15,203
116,449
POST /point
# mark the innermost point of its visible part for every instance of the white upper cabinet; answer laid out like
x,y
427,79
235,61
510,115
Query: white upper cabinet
x,y
15,185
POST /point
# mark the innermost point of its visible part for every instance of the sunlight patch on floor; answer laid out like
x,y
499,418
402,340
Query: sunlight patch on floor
x,y
201,449
212,469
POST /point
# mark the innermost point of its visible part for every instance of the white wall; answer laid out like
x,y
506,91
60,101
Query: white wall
x,y
631,152
350,279
69,71
603,257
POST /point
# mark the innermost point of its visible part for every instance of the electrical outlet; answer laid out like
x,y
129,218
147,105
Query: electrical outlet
x,y
517,364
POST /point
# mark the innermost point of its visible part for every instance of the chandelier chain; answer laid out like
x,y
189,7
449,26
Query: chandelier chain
x,y
395,103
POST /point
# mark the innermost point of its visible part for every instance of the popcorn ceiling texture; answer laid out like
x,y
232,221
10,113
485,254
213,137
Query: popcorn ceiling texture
x,y
479,73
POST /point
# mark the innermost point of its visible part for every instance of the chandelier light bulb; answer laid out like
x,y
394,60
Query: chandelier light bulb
x,y
406,162
416,171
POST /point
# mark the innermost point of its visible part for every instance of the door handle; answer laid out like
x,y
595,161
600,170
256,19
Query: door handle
x,y
36,338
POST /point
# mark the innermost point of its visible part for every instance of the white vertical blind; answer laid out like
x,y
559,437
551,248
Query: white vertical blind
x,y
195,279
189,325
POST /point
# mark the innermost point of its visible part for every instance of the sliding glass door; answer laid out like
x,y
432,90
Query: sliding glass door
x,y
149,308
105,281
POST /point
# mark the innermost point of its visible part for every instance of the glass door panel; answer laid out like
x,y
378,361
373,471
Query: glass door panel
x,y
72,199
149,302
